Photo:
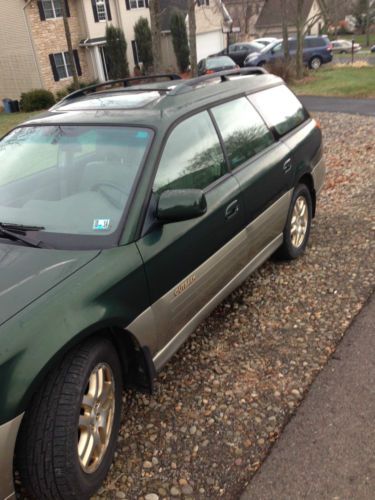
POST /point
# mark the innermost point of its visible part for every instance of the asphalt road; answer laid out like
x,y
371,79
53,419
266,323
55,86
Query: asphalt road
x,y
327,451
339,105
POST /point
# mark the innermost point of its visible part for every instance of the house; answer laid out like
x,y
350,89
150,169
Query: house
x,y
211,17
258,18
269,22
245,14
34,48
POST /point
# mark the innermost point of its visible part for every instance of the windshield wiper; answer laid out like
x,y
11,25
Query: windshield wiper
x,y
17,232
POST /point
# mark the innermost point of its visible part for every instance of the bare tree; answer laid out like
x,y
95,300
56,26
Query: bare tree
x,y
68,37
155,12
284,16
192,38
300,35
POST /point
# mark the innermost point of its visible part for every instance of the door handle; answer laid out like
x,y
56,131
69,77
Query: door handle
x,y
287,166
231,209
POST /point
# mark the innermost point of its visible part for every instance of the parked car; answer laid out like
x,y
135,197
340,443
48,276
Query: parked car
x,y
127,215
317,51
373,48
265,41
344,47
239,51
215,64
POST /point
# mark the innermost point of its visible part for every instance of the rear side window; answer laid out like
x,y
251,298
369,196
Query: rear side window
x,y
192,157
314,42
280,108
244,132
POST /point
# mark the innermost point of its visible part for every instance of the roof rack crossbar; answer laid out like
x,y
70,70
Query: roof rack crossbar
x,y
124,81
187,85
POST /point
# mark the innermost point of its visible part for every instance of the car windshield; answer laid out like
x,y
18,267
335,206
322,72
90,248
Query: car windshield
x,y
70,179
271,46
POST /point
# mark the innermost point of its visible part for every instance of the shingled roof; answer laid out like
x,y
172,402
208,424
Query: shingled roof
x,y
271,13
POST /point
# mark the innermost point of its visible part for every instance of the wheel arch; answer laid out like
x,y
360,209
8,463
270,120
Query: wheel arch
x,y
308,180
136,360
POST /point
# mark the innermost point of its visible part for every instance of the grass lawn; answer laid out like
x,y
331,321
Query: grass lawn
x,y
10,120
361,39
344,82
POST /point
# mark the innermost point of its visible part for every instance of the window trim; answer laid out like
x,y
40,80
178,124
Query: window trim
x,y
47,18
63,54
138,6
102,3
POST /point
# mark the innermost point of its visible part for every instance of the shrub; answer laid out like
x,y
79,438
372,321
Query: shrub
x,y
60,94
287,72
180,40
142,35
117,60
36,99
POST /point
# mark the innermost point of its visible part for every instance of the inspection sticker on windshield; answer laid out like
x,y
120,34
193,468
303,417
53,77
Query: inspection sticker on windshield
x,y
101,224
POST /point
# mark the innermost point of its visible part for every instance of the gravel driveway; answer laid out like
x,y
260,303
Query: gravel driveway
x,y
224,398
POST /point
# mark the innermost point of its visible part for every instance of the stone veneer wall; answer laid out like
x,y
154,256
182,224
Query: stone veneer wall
x,y
49,38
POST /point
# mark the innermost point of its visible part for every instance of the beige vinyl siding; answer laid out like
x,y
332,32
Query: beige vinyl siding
x,y
18,68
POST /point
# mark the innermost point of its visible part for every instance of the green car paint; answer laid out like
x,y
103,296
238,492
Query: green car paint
x,y
148,282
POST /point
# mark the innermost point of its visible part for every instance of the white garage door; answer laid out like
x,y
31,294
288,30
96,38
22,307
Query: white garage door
x,y
209,43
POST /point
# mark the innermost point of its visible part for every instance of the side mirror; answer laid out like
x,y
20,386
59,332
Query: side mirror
x,y
181,204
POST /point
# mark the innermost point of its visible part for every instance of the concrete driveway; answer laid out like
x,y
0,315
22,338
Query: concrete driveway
x,y
339,105
327,451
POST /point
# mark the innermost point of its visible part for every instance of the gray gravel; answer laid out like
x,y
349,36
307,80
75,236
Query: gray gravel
x,y
224,398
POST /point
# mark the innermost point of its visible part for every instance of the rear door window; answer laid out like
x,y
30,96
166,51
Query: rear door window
x,y
192,157
280,108
244,132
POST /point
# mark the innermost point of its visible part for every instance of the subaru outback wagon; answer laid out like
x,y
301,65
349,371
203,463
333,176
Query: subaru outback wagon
x,y
127,215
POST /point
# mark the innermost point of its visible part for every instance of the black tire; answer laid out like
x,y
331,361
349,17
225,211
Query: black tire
x,y
315,62
46,453
288,251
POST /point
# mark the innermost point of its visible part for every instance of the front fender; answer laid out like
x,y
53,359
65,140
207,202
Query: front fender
x,y
111,290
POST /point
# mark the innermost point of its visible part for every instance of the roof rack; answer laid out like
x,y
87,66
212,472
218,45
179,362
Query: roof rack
x,y
124,81
187,85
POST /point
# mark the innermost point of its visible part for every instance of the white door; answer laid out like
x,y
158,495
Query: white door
x,y
209,43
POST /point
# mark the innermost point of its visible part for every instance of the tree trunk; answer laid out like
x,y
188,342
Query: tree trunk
x,y
300,36
284,16
192,38
68,37
367,29
154,6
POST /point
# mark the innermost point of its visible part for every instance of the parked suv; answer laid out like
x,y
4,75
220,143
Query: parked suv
x,y
127,215
317,50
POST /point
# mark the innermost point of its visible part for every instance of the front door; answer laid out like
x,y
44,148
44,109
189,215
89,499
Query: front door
x,y
188,262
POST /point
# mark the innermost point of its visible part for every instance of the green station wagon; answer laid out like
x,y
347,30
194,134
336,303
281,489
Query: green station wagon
x,y
126,215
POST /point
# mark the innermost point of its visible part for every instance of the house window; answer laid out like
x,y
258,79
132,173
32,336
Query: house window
x,y
52,8
101,10
137,4
63,65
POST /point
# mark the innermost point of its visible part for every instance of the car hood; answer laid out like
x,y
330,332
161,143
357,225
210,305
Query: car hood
x,y
27,273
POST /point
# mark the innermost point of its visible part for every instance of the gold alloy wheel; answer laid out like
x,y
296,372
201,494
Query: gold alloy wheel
x,y
300,217
96,417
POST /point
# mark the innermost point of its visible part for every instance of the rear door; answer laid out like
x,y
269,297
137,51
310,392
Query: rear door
x,y
188,262
262,167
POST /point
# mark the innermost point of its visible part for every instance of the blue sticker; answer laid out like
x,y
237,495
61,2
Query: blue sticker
x,y
141,134
101,224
